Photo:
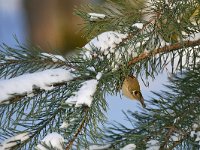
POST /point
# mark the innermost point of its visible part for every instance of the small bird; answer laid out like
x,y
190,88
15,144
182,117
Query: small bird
x,y
131,89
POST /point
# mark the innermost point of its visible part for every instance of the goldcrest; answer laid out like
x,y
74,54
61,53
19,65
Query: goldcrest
x,y
131,89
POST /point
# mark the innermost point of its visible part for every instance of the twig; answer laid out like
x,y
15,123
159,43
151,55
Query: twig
x,y
169,133
17,97
69,145
164,49
177,142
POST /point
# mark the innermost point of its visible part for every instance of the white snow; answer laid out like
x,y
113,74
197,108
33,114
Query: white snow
x,y
99,75
99,147
106,41
25,84
54,140
91,69
84,96
176,137
129,147
198,136
10,58
15,140
152,142
195,126
148,11
54,58
194,37
104,46
153,145
192,133
138,25
96,16
64,125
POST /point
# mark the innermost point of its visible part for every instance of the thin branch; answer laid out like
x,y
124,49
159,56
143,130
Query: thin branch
x,y
169,133
164,49
178,142
17,97
47,61
69,145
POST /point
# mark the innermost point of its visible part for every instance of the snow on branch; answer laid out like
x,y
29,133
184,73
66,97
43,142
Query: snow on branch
x,y
52,140
153,145
106,46
14,141
96,16
84,96
26,84
54,57
105,43
100,147
129,147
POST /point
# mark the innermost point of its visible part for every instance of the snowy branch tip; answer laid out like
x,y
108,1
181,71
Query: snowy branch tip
x,y
14,141
52,140
84,95
26,83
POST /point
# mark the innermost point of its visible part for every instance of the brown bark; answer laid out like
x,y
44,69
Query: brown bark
x,y
52,25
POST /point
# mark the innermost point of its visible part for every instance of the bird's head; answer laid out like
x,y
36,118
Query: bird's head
x,y
138,96
131,89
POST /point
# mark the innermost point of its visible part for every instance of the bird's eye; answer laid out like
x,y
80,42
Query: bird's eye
x,y
136,92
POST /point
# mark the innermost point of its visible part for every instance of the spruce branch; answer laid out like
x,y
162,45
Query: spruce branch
x,y
35,91
167,137
169,122
80,128
165,49
24,59
33,84
110,57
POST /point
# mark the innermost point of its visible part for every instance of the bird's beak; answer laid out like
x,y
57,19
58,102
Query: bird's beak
x,y
142,102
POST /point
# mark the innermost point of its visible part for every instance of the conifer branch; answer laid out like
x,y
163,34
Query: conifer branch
x,y
164,49
178,142
167,137
49,107
14,98
35,91
69,145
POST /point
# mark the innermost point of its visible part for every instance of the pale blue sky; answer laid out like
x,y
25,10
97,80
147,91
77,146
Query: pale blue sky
x,y
12,22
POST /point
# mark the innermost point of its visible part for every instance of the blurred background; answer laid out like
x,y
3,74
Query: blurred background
x,y
51,25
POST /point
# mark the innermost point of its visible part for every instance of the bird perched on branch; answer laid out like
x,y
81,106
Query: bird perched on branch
x,y
131,89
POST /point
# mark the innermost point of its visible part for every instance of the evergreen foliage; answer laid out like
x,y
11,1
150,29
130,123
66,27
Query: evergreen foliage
x,y
169,36
170,119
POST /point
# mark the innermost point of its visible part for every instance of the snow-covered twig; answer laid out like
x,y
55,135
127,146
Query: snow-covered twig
x,y
153,145
24,85
100,147
129,147
96,16
55,58
84,95
14,141
52,140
